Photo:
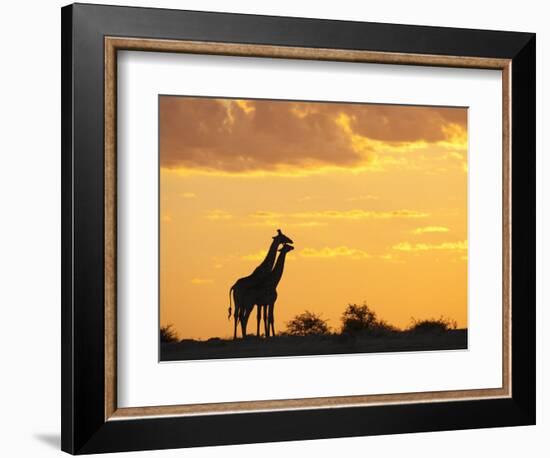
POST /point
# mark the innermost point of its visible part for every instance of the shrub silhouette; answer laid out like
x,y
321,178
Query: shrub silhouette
x,y
307,324
432,325
168,334
359,318
382,327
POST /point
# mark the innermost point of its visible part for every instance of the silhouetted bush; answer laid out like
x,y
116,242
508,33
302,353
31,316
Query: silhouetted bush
x,y
382,328
307,324
432,325
168,334
358,318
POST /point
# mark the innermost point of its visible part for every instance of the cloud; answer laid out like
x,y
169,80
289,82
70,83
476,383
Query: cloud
x,y
218,134
360,214
342,214
201,281
320,253
188,195
308,224
257,256
266,214
245,136
335,252
423,247
218,215
430,230
362,198
390,257
407,124
276,223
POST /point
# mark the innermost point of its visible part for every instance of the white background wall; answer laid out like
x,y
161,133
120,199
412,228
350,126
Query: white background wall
x,y
30,226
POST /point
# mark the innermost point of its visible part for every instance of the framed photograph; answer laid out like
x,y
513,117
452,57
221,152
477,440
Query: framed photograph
x,y
270,222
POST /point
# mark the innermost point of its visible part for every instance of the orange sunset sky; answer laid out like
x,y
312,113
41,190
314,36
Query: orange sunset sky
x,y
374,197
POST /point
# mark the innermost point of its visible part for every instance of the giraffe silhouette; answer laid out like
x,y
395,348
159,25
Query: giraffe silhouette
x,y
264,296
243,285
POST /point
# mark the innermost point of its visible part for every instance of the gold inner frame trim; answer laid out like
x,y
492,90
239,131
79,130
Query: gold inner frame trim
x,y
112,45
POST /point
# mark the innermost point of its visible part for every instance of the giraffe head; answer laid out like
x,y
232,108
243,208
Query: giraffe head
x,y
286,248
281,238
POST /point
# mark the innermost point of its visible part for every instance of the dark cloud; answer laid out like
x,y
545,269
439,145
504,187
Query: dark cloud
x,y
235,136
405,124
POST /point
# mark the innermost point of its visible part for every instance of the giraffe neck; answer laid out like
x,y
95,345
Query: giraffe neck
x,y
278,269
267,263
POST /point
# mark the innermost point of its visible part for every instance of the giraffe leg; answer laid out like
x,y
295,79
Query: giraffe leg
x,y
258,320
266,327
244,319
235,320
272,318
243,325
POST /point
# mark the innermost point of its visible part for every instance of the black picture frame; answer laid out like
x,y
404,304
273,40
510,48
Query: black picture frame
x,y
84,428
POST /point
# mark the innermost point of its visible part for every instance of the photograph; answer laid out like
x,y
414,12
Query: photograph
x,y
306,227
269,217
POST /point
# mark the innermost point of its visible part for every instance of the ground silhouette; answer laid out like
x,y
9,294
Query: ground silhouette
x,y
327,344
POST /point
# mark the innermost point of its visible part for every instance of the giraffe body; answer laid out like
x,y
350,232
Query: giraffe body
x,y
242,287
264,296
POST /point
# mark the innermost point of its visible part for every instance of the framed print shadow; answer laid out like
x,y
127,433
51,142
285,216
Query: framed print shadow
x,y
270,221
